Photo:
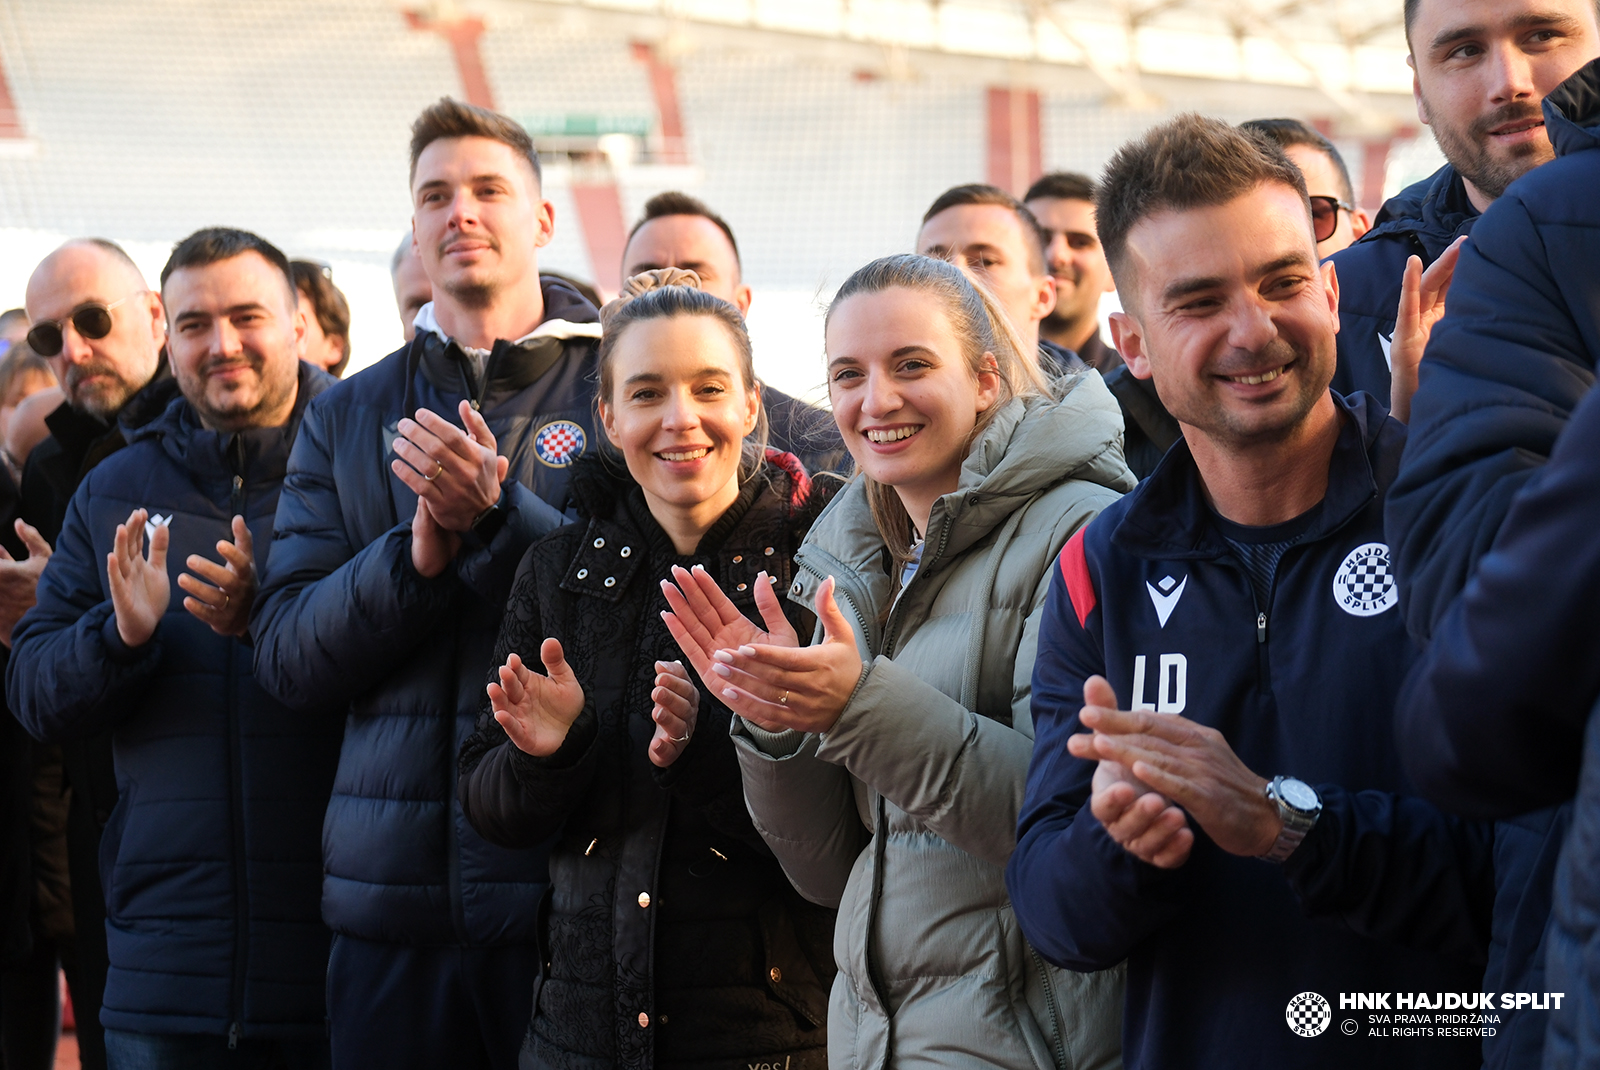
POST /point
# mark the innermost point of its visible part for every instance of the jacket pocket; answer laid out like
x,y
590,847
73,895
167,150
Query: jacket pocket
x,y
786,971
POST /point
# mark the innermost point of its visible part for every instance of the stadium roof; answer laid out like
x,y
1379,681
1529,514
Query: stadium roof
x,y
1350,51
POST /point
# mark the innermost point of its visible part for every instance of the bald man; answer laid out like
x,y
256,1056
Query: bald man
x,y
679,231
102,329
412,289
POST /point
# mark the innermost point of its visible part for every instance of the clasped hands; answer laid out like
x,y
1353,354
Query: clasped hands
x,y
766,677
538,709
1159,771
218,594
456,475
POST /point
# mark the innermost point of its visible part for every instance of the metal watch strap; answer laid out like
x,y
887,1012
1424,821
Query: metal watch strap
x,y
1295,825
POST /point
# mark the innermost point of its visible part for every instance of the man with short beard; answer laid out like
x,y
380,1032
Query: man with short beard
x,y
1480,69
212,857
1234,822
415,488
102,329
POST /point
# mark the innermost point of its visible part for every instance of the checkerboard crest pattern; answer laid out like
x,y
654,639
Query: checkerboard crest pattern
x,y
559,443
1364,585
1308,1014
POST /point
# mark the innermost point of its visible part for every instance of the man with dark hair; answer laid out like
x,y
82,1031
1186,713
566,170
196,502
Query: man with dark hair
x,y
414,489
412,289
102,329
1225,600
1479,71
327,316
1335,219
217,948
989,234
1492,516
1064,205
677,230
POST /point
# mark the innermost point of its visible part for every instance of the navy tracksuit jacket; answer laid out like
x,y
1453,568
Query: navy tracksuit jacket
x,y
1151,597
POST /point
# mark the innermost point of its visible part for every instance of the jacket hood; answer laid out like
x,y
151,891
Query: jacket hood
x,y
256,453
1031,445
512,364
1432,210
1572,111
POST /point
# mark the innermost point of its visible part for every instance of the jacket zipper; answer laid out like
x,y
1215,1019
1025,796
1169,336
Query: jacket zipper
x,y
1055,1012
236,802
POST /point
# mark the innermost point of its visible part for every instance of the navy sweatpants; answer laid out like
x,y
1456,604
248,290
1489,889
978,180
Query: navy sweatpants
x,y
400,1007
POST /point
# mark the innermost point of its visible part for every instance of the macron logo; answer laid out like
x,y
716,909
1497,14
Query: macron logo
x,y
1166,599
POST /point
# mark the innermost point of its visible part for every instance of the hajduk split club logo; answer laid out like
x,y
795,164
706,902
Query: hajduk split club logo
x,y
559,443
1308,1014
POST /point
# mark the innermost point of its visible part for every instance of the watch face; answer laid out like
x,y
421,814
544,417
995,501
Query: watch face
x,y
1299,794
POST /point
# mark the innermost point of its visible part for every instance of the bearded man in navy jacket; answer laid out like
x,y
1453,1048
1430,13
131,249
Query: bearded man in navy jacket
x,y
1238,826
211,860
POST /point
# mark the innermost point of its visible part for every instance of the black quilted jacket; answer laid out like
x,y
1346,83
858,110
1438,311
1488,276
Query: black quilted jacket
x,y
670,937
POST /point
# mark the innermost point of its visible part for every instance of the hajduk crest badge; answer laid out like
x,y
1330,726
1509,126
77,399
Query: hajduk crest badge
x,y
559,442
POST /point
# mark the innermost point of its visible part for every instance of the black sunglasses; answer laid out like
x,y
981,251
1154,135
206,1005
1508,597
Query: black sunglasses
x,y
1325,215
93,321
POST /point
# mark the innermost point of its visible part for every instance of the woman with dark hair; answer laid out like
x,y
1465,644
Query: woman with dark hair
x,y
327,316
672,938
885,763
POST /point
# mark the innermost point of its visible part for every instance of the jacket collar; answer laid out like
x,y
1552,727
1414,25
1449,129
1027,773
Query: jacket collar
x,y
1433,211
511,365
77,432
1168,517
1572,111
258,453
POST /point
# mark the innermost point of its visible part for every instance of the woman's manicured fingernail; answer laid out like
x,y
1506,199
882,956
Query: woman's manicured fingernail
x,y
723,656
721,670
747,651
729,692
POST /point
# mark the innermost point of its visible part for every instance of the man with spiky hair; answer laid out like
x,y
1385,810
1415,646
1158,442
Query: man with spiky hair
x,y
415,487
1234,823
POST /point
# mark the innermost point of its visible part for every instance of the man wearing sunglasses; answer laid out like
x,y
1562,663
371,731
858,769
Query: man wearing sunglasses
x,y
102,329
1480,69
1335,220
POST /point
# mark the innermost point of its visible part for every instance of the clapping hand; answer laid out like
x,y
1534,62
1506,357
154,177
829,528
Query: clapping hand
x,y
1189,764
456,475
220,595
19,580
677,705
140,590
765,677
537,710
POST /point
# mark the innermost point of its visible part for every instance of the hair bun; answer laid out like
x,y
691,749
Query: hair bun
x,y
643,283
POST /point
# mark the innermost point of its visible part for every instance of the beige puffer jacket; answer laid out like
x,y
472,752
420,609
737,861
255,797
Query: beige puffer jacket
x,y
904,814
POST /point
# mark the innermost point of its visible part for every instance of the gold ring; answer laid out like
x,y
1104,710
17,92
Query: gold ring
x,y
437,474
784,701
226,598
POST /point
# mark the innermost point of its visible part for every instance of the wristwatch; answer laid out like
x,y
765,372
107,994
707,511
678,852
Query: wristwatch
x,y
1299,806
487,524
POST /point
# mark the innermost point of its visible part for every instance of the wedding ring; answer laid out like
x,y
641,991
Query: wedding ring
x,y
226,598
680,739
784,701
437,474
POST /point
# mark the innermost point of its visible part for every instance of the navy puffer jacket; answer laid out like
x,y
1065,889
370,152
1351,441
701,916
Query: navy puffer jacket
x,y
1421,220
210,862
344,617
1506,366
